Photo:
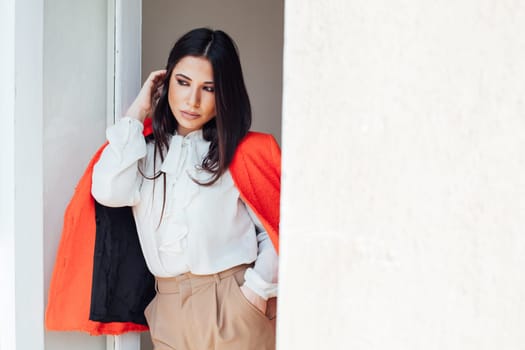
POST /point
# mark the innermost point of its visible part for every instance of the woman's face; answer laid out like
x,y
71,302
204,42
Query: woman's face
x,y
191,94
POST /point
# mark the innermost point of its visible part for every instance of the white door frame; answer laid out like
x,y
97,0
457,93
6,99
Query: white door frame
x,y
124,55
123,84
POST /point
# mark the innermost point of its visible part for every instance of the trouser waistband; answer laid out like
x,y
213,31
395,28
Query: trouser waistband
x,y
165,285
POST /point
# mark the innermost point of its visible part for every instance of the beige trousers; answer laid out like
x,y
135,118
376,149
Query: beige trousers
x,y
201,312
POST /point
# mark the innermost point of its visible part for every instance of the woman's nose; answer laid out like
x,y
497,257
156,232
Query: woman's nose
x,y
194,98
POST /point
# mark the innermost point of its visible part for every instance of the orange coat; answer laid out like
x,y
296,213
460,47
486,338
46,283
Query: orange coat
x,y
256,171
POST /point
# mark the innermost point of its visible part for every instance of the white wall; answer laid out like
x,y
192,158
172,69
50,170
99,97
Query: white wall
x,y
75,36
21,276
256,27
403,185
7,176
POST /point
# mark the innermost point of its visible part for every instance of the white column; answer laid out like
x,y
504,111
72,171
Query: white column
x,y
128,53
403,193
21,219
127,58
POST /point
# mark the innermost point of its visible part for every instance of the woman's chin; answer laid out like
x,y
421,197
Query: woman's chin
x,y
184,128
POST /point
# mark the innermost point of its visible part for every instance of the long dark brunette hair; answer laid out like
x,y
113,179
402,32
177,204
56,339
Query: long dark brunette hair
x,y
232,105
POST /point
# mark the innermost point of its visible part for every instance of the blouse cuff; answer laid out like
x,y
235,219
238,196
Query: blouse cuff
x,y
254,281
126,134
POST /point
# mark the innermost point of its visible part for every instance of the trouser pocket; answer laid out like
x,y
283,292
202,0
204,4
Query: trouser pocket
x,y
238,281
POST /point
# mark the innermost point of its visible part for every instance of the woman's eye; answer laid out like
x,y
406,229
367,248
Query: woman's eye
x,y
182,82
209,88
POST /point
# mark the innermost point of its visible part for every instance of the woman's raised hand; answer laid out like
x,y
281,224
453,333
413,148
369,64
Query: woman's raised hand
x,y
148,95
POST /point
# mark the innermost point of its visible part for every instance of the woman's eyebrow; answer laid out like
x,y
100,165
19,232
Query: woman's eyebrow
x,y
186,77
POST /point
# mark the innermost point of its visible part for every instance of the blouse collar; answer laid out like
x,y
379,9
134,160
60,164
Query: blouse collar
x,y
185,151
195,135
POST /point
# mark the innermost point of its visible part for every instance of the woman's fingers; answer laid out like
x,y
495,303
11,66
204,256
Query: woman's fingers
x,y
159,89
158,72
156,96
148,95
153,84
157,77
157,80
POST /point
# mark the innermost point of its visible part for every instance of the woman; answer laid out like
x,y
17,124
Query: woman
x,y
213,260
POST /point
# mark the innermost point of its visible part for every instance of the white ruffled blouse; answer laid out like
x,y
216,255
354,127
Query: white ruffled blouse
x,y
203,229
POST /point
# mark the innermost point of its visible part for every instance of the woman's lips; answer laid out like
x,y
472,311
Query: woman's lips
x,y
190,115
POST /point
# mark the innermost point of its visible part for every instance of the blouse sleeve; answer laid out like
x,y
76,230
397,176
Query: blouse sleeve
x,y
263,277
116,179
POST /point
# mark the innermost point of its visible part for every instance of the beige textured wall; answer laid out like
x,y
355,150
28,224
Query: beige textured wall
x,y
256,27
402,216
